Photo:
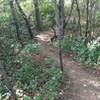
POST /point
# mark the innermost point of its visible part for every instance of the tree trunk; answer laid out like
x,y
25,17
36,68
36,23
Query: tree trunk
x,y
37,15
15,22
59,17
93,20
25,18
79,16
87,23
87,29
7,82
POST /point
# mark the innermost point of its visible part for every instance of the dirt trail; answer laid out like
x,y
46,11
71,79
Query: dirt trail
x,y
85,85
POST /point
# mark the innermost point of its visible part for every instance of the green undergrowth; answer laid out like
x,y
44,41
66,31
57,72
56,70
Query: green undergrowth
x,y
34,80
89,55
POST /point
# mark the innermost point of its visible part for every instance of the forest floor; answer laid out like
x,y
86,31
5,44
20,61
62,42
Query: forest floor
x,y
85,85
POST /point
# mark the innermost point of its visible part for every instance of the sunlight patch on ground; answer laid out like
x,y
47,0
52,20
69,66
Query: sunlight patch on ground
x,y
93,83
43,37
96,84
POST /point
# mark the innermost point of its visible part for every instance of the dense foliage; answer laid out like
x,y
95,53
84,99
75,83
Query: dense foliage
x,y
89,55
35,77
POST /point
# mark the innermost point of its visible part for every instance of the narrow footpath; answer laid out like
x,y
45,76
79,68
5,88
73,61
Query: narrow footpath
x,y
85,85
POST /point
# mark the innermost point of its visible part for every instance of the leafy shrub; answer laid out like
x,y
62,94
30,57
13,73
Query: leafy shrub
x,y
89,54
26,97
2,91
47,12
94,55
42,81
34,47
81,51
66,44
47,8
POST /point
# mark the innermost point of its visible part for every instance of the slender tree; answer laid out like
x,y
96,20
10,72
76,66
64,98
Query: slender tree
x,y
87,22
79,16
93,7
25,18
15,21
37,15
59,17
